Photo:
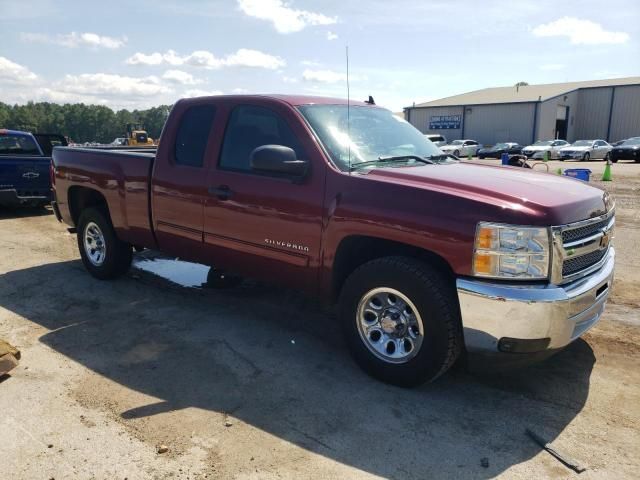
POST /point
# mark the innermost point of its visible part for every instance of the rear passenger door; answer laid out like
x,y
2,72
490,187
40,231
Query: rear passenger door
x,y
265,225
179,187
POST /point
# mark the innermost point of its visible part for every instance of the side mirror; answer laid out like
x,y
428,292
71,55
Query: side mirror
x,y
277,159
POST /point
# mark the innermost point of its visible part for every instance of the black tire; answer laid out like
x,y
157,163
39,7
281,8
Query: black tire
x,y
117,256
586,157
219,279
456,153
615,160
436,303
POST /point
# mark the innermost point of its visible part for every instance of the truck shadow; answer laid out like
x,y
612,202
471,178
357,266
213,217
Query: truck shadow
x,y
276,361
23,212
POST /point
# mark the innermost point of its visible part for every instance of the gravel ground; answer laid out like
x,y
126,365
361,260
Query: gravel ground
x,y
256,383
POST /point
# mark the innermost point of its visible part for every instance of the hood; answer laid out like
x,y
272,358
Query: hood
x,y
627,147
537,148
531,198
571,148
451,147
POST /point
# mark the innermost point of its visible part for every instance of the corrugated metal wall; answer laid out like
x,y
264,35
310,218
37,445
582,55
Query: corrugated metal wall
x,y
419,118
592,117
547,116
588,117
625,121
490,124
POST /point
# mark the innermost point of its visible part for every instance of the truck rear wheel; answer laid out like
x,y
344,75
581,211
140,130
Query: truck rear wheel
x,y
401,320
104,255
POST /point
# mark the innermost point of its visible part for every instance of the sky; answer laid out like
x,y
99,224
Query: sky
x,y
142,53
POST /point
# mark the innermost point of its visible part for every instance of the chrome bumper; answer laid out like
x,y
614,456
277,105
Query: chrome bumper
x,y
492,312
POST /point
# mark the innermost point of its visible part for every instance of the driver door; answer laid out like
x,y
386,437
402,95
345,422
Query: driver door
x,y
264,225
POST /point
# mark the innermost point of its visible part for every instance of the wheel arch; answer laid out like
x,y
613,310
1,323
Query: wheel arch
x,y
81,198
356,250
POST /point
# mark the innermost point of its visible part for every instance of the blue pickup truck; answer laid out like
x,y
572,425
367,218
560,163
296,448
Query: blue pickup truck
x,y
24,167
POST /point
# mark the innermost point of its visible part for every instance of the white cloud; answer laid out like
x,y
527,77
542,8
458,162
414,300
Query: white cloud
x,y
98,84
310,63
552,66
332,36
180,77
74,40
243,57
14,73
324,76
201,93
240,91
284,18
286,79
580,32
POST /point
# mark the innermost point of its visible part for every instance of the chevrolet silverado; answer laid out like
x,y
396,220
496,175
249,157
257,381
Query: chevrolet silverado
x,y
428,258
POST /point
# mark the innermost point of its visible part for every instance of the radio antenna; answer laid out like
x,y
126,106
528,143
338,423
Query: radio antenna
x,y
348,112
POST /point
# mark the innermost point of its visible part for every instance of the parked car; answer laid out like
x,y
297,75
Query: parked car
x,y
498,149
120,141
426,256
586,150
24,167
461,148
438,140
629,149
538,149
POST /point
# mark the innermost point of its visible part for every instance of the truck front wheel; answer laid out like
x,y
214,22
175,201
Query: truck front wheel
x,y
103,254
401,320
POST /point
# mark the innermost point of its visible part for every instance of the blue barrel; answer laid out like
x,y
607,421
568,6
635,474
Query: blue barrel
x,y
505,158
579,173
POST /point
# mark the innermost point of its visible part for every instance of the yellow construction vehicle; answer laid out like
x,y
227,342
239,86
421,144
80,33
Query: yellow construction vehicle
x,y
137,136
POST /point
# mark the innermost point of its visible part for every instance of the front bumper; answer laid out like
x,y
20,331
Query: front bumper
x,y
625,155
12,197
571,156
507,318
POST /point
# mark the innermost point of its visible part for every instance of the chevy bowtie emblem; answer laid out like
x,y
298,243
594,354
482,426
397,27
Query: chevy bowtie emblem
x,y
30,175
604,241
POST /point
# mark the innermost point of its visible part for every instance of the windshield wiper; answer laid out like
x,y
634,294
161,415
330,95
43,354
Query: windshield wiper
x,y
442,156
398,158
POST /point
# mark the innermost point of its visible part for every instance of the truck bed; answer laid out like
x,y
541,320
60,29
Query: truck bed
x,y
120,174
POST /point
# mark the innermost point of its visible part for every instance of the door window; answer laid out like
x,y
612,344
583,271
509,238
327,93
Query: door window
x,y
250,127
193,134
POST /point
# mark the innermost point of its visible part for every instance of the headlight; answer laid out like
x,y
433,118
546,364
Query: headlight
x,y
509,251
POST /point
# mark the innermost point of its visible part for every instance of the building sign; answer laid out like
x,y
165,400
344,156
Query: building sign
x,y
439,122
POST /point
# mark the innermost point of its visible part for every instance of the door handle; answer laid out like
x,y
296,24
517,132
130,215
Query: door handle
x,y
223,192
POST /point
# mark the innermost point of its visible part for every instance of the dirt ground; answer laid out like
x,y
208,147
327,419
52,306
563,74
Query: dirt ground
x,y
256,383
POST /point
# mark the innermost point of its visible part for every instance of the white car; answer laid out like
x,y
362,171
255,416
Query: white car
x,y
438,140
586,150
538,149
461,148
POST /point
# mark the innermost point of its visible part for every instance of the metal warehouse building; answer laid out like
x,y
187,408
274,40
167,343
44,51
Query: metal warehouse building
x,y
599,109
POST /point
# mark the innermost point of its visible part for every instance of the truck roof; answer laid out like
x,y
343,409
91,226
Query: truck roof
x,y
4,131
294,100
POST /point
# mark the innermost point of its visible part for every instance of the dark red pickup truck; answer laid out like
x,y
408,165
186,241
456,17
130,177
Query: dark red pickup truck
x,y
427,257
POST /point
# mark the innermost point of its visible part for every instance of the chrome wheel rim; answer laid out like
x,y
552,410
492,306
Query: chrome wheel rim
x,y
94,244
390,325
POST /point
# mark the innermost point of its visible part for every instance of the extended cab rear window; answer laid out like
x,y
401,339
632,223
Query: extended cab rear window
x,y
193,134
18,145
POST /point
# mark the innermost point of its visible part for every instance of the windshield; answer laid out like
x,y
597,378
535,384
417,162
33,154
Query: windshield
x,y
457,142
501,145
543,143
435,138
582,143
632,141
371,133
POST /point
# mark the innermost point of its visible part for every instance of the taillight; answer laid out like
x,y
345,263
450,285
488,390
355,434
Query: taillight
x,y
52,174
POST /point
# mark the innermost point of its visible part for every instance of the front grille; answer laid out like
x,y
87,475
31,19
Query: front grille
x,y
574,265
569,236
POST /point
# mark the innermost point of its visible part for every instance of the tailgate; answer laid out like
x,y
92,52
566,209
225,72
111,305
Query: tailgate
x,y
28,175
